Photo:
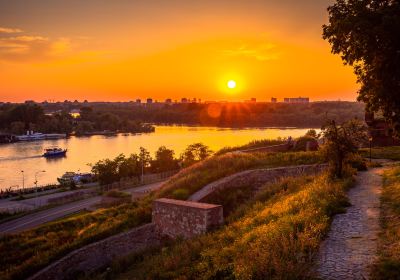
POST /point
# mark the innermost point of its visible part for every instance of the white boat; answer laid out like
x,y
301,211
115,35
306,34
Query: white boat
x,y
30,136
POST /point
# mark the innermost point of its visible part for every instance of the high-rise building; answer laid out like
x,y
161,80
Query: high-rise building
x,y
297,100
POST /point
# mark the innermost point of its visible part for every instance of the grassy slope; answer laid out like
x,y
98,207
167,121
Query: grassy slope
x,y
24,253
388,264
252,145
270,237
392,153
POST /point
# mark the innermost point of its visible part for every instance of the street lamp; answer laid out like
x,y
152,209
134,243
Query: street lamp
x,y
36,181
23,180
370,149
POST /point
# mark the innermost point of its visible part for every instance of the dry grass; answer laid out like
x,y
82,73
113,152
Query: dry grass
x,y
388,264
273,237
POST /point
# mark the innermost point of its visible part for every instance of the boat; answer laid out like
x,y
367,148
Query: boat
x,y
77,178
31,136
54,152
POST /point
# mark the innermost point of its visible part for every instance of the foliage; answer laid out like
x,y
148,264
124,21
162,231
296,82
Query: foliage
x,y
366,34
164,160
275,238
357,162
194,153
132,117
388,264
18,118
312,133
301,142
342,141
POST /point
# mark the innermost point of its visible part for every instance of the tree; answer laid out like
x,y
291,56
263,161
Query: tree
x,y
366,35
164,160
342,141
130,167
144,158
194,153
106,171
312,133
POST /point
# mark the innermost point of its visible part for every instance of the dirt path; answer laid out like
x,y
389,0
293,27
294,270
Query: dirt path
x,y
351,245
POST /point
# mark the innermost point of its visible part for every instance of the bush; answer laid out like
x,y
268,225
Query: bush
x,y
357,162
301,143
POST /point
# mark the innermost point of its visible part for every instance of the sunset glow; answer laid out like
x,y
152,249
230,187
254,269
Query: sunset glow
x,y
106,50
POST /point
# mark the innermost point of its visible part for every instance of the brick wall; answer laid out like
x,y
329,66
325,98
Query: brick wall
x,y
185,218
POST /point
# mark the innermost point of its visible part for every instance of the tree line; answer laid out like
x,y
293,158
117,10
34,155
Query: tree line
x,y
108,171
19,118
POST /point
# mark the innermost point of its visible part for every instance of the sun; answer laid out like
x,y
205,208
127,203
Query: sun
x,y
231,84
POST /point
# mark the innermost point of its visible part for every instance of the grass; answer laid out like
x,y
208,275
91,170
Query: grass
x,y
24,253
392,153
252,145
193,178
272,236
388,264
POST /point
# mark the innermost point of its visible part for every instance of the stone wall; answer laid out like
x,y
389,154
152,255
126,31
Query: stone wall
x,y
256,178
94,256
175,218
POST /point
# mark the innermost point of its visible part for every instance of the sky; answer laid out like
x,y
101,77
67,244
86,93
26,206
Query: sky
x,y
121,50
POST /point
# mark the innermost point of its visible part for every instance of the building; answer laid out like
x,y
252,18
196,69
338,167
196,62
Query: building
x,y
296,100
168,101
138,101
274,100
381,133
184,100
149,101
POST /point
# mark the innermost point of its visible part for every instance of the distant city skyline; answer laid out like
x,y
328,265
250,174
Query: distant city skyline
x,y
123,50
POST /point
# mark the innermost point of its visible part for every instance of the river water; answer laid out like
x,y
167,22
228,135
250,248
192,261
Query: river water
x,y
26,156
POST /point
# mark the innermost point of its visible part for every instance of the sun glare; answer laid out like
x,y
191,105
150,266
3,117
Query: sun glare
x,y
231,84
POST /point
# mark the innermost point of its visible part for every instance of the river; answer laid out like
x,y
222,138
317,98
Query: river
x,y
26,156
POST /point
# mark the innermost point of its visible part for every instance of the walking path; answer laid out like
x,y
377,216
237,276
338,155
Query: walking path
x,y
351,245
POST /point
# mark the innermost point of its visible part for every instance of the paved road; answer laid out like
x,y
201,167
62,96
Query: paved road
x,y
48,215
35,202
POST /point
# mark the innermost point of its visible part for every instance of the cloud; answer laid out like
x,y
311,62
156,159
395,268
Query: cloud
x,y
27,48
261,51
10,30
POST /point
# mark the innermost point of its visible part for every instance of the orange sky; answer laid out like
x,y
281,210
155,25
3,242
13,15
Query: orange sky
x,y
123,50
